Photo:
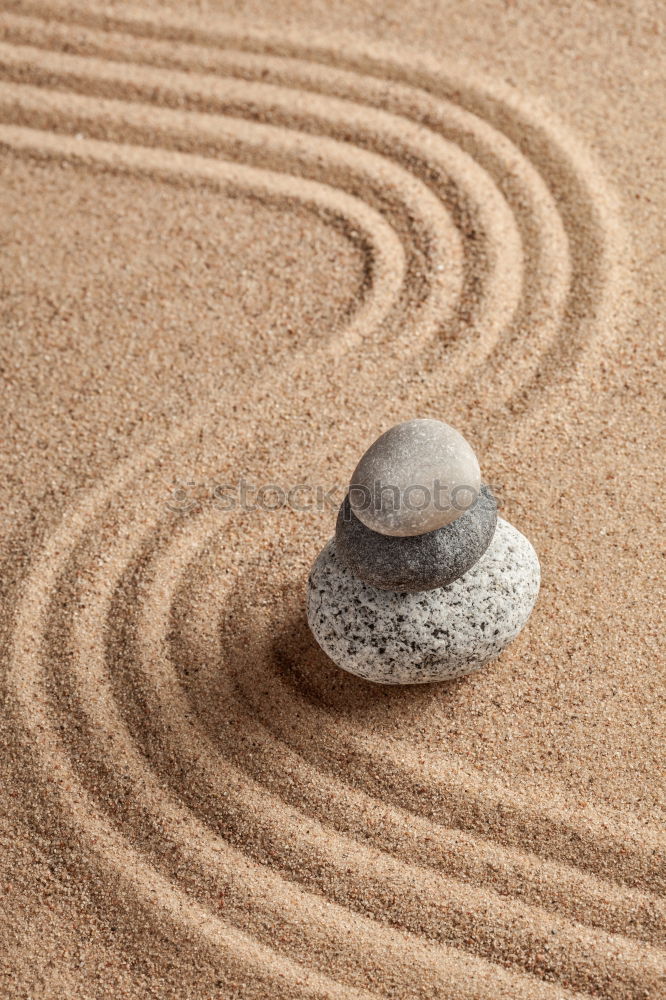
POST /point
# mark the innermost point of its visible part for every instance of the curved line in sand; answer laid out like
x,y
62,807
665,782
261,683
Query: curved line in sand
x,y
257,120
66,538
92,709
460,122
493,122
128,864
158,608
295,735
387,254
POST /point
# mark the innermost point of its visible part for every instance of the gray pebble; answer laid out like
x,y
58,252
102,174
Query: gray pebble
x,y
416,562
417,477
403,638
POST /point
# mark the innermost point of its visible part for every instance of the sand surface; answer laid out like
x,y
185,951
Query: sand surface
x,y
240,241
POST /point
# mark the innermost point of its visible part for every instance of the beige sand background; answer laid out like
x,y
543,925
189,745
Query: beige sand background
x,y
242,240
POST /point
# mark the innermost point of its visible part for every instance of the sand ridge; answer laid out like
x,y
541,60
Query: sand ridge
x,y
217,778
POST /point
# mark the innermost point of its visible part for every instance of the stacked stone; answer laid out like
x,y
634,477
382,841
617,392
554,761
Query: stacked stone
x,y
423,581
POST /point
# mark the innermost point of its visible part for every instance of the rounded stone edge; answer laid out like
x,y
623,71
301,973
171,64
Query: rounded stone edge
x,y
351,655
394,523
407,558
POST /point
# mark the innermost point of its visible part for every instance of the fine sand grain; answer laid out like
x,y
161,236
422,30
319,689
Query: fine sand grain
x,y
239,241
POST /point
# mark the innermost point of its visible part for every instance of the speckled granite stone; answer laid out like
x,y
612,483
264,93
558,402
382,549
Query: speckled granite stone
x,y
416,477
417,562
398,638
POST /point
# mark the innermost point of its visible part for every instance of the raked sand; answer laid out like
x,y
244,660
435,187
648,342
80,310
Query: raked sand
x,y
238,242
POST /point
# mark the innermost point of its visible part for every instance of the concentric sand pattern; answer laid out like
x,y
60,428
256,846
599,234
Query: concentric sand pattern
x,y
493,262
175,737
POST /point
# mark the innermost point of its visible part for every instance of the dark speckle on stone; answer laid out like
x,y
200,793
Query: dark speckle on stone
x,y
433,636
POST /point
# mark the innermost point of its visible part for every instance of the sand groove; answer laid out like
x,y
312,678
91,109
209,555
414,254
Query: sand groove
x,y
526,336
177,742
98,804
94,706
